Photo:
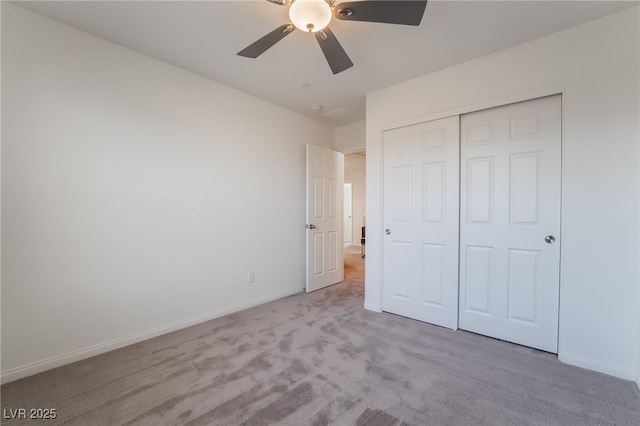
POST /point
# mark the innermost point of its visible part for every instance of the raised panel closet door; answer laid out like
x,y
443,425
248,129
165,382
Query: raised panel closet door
x,y
510,222
420,235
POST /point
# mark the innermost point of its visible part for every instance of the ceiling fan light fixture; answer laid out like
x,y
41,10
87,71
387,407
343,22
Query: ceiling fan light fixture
x,y
310,15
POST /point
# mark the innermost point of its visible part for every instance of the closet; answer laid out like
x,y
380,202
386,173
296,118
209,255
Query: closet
x,y
471,216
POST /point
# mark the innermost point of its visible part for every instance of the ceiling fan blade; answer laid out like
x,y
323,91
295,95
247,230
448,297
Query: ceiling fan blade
x,y
336,56
389,12
259,47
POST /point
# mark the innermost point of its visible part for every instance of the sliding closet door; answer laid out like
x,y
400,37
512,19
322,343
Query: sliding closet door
x,y
420,241
510,222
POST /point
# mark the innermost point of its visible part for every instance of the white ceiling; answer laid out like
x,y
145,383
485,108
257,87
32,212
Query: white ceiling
x,y
204,37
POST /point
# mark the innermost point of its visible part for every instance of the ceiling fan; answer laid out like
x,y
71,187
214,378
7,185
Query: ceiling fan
x,y
313,16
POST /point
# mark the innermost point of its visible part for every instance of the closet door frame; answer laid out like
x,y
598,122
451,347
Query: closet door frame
x,y
558,90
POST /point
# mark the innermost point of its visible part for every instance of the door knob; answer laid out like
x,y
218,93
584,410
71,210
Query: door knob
x,y
310,226
387,231
550,239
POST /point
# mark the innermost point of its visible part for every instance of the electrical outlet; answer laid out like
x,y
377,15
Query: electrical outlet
x,y
251,277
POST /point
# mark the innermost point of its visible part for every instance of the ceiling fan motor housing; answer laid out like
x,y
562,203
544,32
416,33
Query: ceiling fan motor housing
x,y
310,15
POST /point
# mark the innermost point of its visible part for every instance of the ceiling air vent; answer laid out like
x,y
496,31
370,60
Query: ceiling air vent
x,y
341,114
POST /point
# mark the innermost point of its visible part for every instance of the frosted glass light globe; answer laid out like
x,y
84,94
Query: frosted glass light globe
x,y
310,15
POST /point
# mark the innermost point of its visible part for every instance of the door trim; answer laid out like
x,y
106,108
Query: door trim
x,y
474,107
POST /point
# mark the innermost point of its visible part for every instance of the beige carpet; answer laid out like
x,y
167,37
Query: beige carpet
x,y
321,359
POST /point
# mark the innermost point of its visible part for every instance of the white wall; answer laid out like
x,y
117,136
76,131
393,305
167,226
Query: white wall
x,y
357,177
638,368
595,66
136,196
0,194
351,137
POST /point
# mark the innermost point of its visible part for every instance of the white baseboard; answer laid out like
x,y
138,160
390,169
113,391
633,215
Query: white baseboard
x,y
100,348
371,307
594,365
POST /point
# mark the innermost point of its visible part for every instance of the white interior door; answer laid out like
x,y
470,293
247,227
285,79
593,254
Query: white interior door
x,y
325,177
348,213
421,217
510,204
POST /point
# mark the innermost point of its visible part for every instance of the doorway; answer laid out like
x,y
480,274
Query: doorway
x,y
354,176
